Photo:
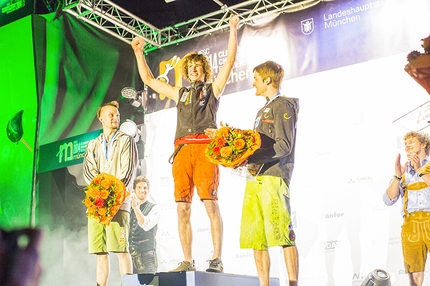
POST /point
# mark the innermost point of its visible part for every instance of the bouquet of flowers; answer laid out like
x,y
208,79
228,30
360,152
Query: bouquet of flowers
x,y
230,147
418,66
104,196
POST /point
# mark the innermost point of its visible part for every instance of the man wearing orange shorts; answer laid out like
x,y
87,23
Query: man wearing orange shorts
x,y
411,183
197,106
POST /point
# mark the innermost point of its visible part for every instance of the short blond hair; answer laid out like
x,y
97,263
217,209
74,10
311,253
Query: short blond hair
x,y
272,70
113,103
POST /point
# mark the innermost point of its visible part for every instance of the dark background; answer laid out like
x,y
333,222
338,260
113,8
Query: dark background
x,y
158,12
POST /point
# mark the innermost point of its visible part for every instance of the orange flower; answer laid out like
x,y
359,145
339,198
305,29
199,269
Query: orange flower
x,y
231,146
92,209
222,132
226,151
239,143
104,194
87,202
103,197
94,192
102,211
106,184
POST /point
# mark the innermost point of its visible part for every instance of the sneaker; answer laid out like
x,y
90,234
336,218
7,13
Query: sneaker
x,y
184,266
215,265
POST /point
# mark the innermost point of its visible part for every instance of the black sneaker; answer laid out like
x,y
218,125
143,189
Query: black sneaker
x,y
215,265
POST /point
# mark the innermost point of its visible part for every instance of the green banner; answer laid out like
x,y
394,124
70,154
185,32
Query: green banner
x,y
64,153
12,10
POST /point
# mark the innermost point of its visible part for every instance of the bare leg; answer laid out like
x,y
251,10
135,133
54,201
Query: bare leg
x,y
184,228
291,258
262,262
125,264
416,278
102,269
212,209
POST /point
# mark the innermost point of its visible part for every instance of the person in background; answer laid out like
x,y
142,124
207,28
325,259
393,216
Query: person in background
x,y
197,106
144,218
266,214
20,263
410,183
115,153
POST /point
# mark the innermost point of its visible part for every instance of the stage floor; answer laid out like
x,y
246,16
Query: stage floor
x,y
193,278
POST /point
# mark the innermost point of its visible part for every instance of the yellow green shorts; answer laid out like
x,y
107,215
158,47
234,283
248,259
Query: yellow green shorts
x,y
111,238
416,241
266,220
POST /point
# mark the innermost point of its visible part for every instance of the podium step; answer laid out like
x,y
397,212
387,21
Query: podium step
x,y
193,278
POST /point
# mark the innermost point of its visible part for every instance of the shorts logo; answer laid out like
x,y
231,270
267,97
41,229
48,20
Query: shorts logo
x,y
307,26
292,235
214,193
122,237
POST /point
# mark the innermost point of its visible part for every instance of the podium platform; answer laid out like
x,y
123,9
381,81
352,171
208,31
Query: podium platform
x,y
193,278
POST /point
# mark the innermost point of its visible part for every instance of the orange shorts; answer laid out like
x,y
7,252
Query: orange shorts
x,y
191,169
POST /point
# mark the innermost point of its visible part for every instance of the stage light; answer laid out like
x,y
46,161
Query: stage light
x,y
131,96
377,277
138,99
130,128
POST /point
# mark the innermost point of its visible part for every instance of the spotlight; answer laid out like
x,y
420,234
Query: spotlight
x,y
130,128
143,101
377,277
131,96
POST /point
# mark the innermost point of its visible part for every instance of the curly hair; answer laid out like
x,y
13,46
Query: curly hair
x,y
195,57
423,138
272,70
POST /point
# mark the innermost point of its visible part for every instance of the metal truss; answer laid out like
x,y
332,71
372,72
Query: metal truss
x,y
122,24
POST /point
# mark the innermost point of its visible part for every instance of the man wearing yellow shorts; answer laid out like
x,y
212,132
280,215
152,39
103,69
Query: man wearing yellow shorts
x,y
266,210
411,183
115,153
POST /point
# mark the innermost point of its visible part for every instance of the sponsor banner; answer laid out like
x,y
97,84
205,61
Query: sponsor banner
x,y
326,36
64,153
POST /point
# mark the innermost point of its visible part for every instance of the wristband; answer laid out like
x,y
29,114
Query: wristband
x,y
420,174
397,177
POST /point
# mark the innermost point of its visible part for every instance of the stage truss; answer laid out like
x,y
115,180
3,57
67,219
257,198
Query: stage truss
x,y
113,19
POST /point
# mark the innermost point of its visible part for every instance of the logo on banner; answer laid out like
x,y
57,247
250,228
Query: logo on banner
x,y
331,245
308,26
